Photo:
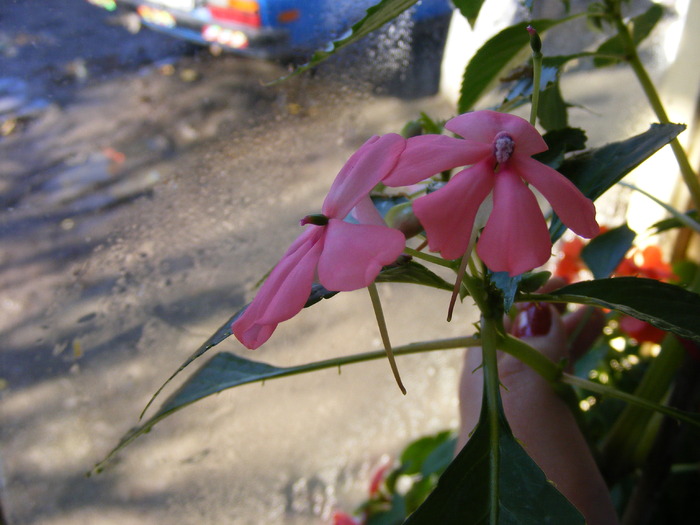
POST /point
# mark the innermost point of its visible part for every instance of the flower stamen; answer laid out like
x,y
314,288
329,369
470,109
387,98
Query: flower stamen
x,y
503,147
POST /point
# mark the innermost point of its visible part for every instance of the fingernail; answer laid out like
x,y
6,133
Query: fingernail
x,y
534,320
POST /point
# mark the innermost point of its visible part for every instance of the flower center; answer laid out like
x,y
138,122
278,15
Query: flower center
x,y
503,146
316,219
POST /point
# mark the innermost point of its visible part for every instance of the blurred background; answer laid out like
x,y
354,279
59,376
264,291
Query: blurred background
x,y
148,182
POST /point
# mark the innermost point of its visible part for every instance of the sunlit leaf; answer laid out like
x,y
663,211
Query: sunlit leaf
x,y
605,253
663,305
597,170
525,496
641,27
375,17
469,9
496,56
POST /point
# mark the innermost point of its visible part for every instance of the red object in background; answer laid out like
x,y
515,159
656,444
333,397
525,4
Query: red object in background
x,y
532,321
340,518
641,331
242,12
652,266
570,264
377,479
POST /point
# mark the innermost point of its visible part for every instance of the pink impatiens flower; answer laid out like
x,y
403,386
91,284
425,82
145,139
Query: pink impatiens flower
x,y
344,256
497,147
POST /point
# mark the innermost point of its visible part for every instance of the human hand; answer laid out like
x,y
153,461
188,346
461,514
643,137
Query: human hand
x,y
538,417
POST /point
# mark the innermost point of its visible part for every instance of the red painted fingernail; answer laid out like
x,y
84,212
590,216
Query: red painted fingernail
x,y
533,320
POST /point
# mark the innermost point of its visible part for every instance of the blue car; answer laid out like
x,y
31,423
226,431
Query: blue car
x,y
285,29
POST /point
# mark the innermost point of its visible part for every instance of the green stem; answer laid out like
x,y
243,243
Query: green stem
x,y
689,176
429,258
682,217
621,450
597,388
536,76
490,341
381,322
532,358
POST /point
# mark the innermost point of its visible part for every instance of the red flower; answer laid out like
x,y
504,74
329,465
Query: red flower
x,y
341,518
641,331
570,264
652,266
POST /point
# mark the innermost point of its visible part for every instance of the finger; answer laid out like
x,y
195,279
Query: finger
x,y
542,422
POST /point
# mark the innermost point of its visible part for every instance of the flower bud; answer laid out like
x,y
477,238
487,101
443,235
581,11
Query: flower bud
x,y
401,218
316,219
535,41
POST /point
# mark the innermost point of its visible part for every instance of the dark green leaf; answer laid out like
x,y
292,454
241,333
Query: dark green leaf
x,y
663,305
226,370
641,27
553,110
560,142
604,253
525,496
507,285
496,56
595,171
317,293
532,282
223,371
376,16
669,224
469,9
413,273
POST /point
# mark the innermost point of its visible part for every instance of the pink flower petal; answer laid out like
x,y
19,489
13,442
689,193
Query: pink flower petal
x,y
483,126
572,207
353,254
515,238
367,213
428,155
362,172
284,292
447,215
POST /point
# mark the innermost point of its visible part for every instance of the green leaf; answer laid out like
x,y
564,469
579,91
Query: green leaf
x,y
561,142
415,455
317,293
666,306
552,111
498,54
226,370
525,495
440,458
604,253
672,223
507,285
469,9
404,271
413,273
375,17
595,171
641,27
